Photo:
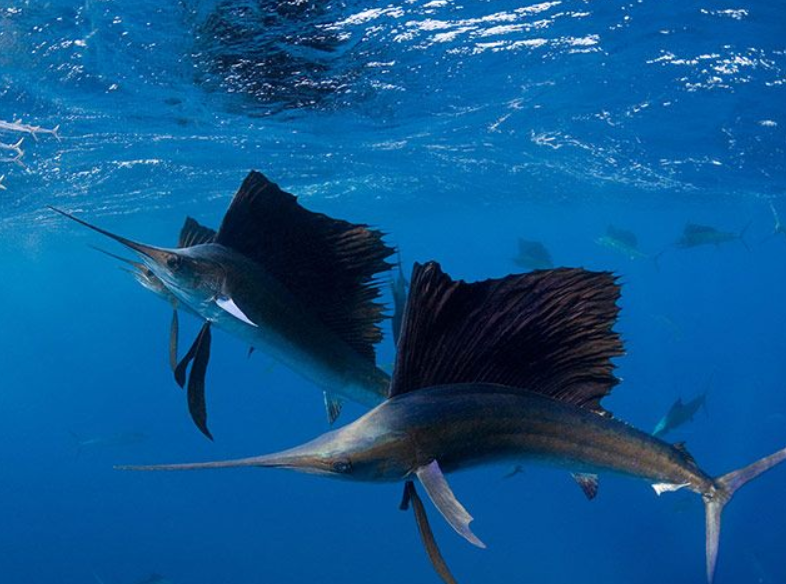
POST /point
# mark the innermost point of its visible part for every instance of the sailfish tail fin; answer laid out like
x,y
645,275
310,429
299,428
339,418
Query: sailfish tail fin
x,y
725,487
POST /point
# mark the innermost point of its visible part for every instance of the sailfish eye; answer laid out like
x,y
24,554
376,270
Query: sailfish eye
x,y
173,262
342,466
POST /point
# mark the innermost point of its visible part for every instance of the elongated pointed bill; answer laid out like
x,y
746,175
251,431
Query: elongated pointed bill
x,y
156,254
307,458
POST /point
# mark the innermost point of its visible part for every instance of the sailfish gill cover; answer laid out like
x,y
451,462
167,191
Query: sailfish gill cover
x,y
447,131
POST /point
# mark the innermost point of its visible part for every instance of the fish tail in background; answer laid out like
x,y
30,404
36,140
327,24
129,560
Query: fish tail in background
x,y
724,490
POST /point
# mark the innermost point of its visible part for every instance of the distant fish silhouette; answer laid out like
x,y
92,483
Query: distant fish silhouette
x,y
109,441
514,470
696,235
679,414
778,227
299,285
625,243
399,287
533,255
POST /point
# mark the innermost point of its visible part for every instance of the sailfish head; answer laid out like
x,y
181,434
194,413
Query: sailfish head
x,y
185,274
141,273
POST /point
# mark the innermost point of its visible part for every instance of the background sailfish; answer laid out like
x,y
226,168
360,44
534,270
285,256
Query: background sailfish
x,y
505,370
298,285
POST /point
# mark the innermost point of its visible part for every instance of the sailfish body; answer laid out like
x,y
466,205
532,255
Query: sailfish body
x,y
296,284
504,370
243,299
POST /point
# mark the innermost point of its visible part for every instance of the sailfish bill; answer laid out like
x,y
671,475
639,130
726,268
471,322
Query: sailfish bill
x,y
506,370
298,285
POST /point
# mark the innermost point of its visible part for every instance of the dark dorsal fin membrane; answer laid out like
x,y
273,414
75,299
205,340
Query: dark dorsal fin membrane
x,y
328,264
548,332
192,233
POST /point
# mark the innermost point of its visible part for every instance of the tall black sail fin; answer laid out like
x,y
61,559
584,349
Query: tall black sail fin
x,y
331,265
549,332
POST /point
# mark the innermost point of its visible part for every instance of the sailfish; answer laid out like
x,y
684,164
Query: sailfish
x,y
508,370
295,284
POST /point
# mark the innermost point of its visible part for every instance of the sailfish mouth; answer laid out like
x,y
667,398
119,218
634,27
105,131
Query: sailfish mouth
x,y
151,255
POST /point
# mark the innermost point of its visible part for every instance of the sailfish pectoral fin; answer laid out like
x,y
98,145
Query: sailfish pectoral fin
x,y
439,492
174,329
426,535
228,305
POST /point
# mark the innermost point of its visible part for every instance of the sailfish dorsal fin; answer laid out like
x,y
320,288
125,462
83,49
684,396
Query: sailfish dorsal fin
x,y
330,265
192,233
548,332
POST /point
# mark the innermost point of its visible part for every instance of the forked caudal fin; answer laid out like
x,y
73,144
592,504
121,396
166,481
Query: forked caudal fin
x,y
725,487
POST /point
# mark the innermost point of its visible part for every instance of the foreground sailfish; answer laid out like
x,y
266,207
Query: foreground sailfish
x,y
292,283
509,370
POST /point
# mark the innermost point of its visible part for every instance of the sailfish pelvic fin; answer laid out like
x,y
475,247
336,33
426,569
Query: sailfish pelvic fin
x,y
424,527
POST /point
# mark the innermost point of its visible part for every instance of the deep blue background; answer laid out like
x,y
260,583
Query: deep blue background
x,y
456,129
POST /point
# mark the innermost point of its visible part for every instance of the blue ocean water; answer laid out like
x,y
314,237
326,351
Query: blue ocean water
x,y
457,128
